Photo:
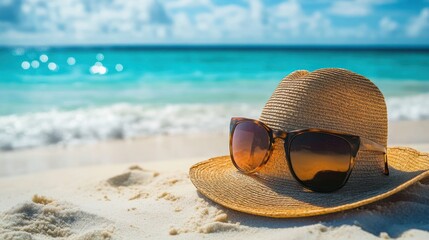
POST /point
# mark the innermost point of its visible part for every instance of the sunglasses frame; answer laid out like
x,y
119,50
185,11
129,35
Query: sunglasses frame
x,y
356,143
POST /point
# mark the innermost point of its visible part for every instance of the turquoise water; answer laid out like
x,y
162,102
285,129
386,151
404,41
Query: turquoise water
x,y
186,76
66,95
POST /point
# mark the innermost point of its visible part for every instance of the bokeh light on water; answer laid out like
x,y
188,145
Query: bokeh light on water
x,y
71,61
25,65
44,58
54,64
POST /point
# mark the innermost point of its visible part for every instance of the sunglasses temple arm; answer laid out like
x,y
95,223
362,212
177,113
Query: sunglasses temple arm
x,y
366,144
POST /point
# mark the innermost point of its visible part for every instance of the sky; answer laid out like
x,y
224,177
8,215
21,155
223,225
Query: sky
x,y
116,22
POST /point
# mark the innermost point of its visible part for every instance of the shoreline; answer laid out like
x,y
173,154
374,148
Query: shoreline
x,y
161,148
142,150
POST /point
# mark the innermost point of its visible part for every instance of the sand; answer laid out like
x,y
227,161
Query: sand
x,y
136,195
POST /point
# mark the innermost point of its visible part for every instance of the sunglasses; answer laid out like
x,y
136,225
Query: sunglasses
x,y
320,160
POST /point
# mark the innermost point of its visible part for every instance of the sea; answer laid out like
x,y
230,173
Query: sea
x,y
79,95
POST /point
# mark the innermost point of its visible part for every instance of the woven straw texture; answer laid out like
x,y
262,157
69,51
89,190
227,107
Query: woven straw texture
x,y
221,182
331,99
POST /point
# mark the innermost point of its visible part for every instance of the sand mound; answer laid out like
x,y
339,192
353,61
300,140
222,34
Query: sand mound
x,y
171,193
44,218
206,218
134,176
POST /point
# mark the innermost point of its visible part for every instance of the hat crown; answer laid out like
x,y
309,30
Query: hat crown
x,y
331,99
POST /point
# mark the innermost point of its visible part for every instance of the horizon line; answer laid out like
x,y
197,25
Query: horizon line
x,y
230,46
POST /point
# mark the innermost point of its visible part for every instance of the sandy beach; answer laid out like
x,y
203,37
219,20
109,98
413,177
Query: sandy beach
x,y
105,106
137,189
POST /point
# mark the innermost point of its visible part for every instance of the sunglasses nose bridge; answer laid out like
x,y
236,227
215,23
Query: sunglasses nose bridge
x,y
279,134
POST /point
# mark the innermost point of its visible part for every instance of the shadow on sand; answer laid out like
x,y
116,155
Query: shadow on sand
x,y
394,215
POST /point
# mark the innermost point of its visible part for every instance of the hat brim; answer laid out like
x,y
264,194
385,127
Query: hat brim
x,y
220,181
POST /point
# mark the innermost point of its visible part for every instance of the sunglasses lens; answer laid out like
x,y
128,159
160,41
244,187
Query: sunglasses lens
x,y
320,161
249,146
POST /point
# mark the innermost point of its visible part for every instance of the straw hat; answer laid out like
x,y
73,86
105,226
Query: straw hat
x,y
331,99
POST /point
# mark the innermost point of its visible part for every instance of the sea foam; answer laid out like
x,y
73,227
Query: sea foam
x,y
408,108
124,121
119,121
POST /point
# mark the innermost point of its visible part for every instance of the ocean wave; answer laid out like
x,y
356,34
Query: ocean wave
x,y
408,108
119,121
124,121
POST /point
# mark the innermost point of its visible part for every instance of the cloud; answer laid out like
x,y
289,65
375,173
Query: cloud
x,y
187,21
187,4
290,19
418,24
355,8
137,21
387,25
257,22
257,11
77,16
344,8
